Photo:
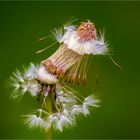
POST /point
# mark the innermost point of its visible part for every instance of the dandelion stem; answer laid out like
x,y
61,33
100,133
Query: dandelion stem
x,y
48,134
49,107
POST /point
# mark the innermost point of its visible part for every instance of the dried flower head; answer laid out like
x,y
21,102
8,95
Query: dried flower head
x,y
69,62
60,105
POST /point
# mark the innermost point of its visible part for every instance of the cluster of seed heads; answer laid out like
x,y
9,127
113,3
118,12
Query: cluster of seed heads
x,y
60,104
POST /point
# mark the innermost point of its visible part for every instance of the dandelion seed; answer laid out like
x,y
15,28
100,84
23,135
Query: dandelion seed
x,y
36,120
88,103
61,120
58,34
18,83
33,121
91,101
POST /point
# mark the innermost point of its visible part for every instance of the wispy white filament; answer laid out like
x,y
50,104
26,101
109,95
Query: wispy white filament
x,y
58,34
33,121
61,120
91,101
34,87
31,72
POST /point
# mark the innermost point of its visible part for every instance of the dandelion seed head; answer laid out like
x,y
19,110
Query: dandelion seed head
x,y
66,104
60,104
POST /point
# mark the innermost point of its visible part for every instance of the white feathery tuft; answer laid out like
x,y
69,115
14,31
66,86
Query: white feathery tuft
x,y
88,103
26,81
61,120
58,34
34,87
66,98
31,72
70,28
91,101
33,121
95,47
77,109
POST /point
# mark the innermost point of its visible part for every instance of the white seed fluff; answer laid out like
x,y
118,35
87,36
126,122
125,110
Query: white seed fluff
x,y
95,47
33,121
25,81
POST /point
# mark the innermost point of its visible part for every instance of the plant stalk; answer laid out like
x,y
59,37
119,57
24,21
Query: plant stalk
x,y
49,107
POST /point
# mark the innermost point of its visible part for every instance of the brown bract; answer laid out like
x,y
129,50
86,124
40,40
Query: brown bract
x,y
61,61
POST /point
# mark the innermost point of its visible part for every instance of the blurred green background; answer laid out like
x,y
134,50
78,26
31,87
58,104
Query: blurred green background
x,y
23,23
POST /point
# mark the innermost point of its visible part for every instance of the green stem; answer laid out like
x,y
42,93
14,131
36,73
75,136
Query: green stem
x,y
48,134
49,108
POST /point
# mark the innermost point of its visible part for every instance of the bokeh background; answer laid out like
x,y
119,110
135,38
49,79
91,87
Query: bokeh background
x,y
23,23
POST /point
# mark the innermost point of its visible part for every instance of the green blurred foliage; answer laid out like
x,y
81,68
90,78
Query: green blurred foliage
x,y
22,23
